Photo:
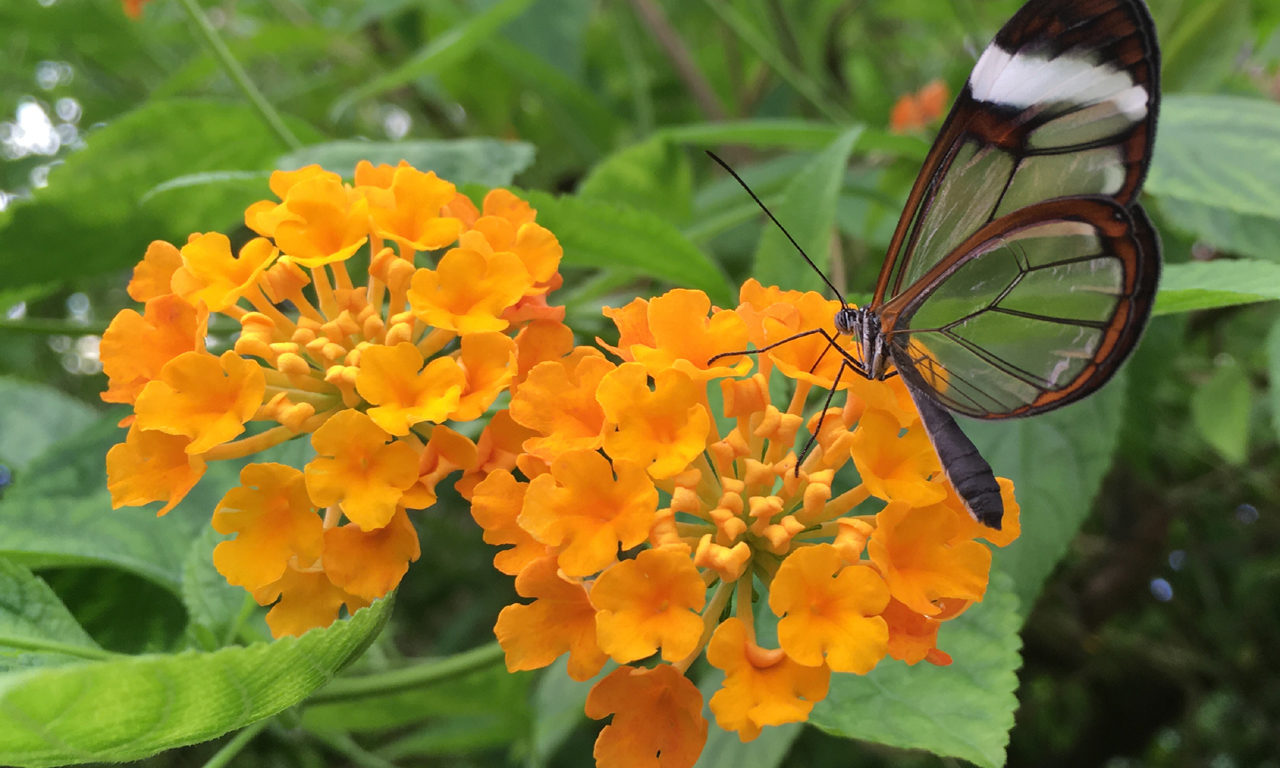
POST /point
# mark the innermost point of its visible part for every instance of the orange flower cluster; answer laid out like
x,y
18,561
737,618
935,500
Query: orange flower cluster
x,y
650,510
916,111
372,370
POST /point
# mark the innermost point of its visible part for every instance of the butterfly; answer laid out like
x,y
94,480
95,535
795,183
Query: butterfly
x,y
1022,271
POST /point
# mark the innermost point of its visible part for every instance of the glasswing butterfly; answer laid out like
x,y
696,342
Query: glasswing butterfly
x,y
1022,270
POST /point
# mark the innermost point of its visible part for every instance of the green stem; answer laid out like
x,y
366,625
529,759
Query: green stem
x,y
411,677
776,61
239,76
51,646
238,742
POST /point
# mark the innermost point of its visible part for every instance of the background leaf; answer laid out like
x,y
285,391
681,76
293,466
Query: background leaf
x,y
36,629
808,210
93,205
34,417
70,714
1220,410
1219,151
488,162
1218,283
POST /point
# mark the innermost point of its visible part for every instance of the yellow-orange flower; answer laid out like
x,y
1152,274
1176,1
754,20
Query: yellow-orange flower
x,y
210,274
468,291
924,556
761,686
135,348
657,718
404,391
495,504
274,521
830,611
152,466
330,348
648,603
360,466
203,397
560,620
558,401
582,509
412,216
663,429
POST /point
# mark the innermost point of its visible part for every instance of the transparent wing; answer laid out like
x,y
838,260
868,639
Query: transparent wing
x,y
1037,309
1062,103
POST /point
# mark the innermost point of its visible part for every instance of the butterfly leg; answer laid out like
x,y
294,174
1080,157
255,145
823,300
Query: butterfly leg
x,y
813,437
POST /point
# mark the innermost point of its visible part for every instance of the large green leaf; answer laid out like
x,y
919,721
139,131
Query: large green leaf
x,y
36,629
962,710
95,215
488,162
1057,462
130,708
808,211
34,417
1219,151
653,176
608,236
1218,283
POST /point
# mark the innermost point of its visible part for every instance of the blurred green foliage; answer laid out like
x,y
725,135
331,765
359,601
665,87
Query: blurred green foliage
x,y
1153,643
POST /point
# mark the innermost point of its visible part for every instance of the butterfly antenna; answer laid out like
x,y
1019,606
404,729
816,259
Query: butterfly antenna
x,y
777,223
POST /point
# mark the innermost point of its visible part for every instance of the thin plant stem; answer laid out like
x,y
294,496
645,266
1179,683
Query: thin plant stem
x,y
410,677
236,744
239,76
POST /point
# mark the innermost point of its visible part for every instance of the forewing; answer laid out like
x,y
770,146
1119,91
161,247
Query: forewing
x,y
1062,103
1037,309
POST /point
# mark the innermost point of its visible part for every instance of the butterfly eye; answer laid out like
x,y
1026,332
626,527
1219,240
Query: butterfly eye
x,y
848,322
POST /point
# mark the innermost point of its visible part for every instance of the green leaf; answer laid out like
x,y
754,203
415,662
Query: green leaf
x,y
1202,47
724,749
962,710
213,606
808,211
447,49
1057,462
134,707
1273,374
653,176
1218,283
34,417
58,513
95,216
765,133
604,235
1220,151
558,702
1239,234
36,629
487,162
1220,411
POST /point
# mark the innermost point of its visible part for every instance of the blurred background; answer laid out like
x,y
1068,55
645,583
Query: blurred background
x,y
1154,642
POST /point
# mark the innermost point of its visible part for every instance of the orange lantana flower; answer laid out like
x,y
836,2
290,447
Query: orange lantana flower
x,y
370,364
647,519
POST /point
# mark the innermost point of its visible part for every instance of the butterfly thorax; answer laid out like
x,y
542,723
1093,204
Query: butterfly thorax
x,y
863,326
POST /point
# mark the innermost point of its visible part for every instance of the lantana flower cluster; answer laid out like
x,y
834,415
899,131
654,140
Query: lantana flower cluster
x,y
370,317
653,513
